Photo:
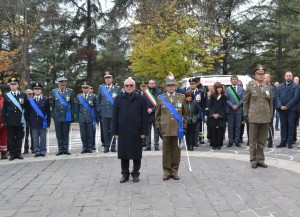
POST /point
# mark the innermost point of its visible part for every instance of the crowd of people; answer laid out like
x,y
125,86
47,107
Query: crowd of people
x,y
174,115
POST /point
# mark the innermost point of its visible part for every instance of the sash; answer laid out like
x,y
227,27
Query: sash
x,y
39,112
175,114
15,101
107,94
234,94
150,96
88,107
65,104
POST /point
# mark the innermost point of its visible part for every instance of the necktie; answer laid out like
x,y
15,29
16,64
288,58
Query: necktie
x,y
38,99
171,98
85,95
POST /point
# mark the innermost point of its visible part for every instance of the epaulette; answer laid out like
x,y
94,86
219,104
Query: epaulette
x,y
252,82
69,89
94,94
180,94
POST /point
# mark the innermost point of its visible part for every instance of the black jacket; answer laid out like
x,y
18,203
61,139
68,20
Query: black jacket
x,y
217,107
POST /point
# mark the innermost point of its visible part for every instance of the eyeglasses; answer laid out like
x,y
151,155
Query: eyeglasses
x,y
129,85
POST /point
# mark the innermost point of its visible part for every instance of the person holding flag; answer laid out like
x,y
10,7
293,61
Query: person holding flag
x,y
150,94
170,118
63,101
105,101
39,119
87,118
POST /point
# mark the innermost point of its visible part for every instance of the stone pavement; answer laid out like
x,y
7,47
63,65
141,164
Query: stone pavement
x,y
221,183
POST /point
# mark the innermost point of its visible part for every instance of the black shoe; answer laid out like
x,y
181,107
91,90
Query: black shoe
x,y
241,141
67,153
219,148
113,150
25,152
202,141
175,177
238,145
254,166
20,157
36,155
156,149
165,178
11,158
280,146
42,155
94,149
106,150
3,156
262,165
82,152
59,153
89,151
270,145
213,148
197,144
192,148
229,145
290,147
147,149
136,179
247,143
124,179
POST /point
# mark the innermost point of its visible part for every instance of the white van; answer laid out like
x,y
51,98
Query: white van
x,y
207,80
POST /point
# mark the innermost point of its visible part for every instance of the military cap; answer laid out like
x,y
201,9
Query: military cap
x,y
108,74
193,80
61,78
13,81
28,91
85,85
259,67
170,79
36,85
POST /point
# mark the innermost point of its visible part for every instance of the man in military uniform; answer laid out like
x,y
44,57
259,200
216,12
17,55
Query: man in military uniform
x,y
63,101
86,118
258,108
168,105
28,131
39,118
91,91
106,96
14,106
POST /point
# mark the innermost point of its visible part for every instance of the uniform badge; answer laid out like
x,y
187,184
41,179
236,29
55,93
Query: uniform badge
x,y
267,93
91,103
114,95
21,100
67,98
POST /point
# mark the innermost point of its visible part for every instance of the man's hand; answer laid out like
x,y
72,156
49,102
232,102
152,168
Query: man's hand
x,y
234,107
143,138
150,110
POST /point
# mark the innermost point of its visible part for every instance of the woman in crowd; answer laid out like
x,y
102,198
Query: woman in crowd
x,y
216,116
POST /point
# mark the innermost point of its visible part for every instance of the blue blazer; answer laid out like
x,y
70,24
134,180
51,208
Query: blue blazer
x,y
231,102
288,95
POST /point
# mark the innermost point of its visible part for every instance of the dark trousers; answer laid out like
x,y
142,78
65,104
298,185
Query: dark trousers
x,y
287,124
94,138
242,130
62,130
15,137
107,129
39,140
216,136
26,145
199,132
87,135
271,134
296,125
234,124
156,135
101,131
125,167
190,135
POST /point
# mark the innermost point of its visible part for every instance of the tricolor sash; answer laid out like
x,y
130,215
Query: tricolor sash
x,y
39,112
88,107
107,94
150,96
175,114
234,94
65,104
15,101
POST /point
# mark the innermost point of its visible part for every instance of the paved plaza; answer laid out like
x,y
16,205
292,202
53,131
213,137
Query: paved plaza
x,y
221,183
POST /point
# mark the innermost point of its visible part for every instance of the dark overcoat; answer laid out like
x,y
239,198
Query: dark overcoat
x,y
130,121
217,107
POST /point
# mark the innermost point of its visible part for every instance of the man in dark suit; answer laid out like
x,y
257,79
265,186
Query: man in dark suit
x,y
106,95
39,118
234,111
86,118
14,106
28,130
287,105
63,101
150,95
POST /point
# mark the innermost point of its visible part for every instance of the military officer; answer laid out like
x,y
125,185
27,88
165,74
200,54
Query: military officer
x,y
91,91
39,119
170,118
15,103
106,96
86,118
258,108
63,101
